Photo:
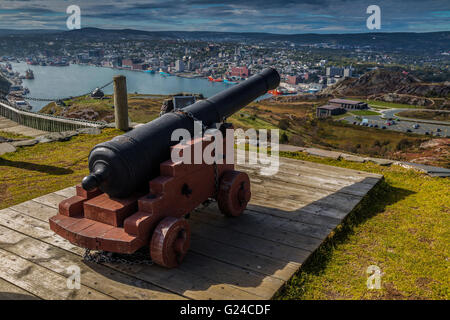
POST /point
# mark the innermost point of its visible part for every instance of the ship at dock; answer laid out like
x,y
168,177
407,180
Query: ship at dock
x,y
22,104
164,73
229,81
215,80
29,75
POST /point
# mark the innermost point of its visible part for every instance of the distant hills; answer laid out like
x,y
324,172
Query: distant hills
x,y
6,32
438,41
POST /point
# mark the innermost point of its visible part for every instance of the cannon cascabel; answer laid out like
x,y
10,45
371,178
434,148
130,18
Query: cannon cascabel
x,y
128,162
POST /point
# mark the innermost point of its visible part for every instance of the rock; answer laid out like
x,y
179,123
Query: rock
x,y
6,148
85,114
289,148
69,134
430,170
56,136
51,137
381,162
323,153
92,130
25,143
433,143
43,139
350,157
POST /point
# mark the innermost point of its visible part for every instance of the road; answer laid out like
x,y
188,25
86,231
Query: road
x,y
390,113
404,125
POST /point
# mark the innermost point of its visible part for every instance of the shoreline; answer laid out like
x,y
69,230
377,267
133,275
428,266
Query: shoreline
x,y
198,87
181,75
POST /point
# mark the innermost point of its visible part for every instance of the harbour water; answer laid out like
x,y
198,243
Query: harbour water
x,y
74,80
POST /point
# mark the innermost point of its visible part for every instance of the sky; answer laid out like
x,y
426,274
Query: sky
x,y
274,16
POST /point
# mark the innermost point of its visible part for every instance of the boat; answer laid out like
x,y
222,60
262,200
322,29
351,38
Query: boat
x,y
150,71
59,64
291,91
164,73
215,80
22,104
275,92
229,81
29,74
16,88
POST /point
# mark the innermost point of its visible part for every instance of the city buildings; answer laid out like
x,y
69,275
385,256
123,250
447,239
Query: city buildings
x,y
345,72
293,80
242,72
179,66
302,68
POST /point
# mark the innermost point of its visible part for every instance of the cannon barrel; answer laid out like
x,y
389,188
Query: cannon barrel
x,y
126,163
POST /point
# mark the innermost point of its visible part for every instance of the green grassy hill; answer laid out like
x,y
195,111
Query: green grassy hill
x,y
402,226
142,108
295,119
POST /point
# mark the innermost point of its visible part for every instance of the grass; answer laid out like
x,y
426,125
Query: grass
x,y
364,113
141,108
402,226
44,168
295,119
303,130
13,136
383,104
425,115
339,116
361,140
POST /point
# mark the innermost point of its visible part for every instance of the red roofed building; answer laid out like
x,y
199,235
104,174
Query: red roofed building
x,y
242,72
293,80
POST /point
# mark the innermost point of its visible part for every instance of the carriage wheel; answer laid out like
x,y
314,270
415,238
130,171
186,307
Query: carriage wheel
x,y
170,242
234,193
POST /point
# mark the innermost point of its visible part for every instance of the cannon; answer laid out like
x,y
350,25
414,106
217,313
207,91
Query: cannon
x,y
136,195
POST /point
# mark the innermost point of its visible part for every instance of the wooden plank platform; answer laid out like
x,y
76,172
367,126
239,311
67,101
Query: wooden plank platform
x,y
251,257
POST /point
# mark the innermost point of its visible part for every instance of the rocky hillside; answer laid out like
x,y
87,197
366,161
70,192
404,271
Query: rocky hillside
x,y
383,81
432,152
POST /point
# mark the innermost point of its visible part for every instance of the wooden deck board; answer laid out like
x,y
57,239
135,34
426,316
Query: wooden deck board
x,y
174,280
250,257
98,277
8,291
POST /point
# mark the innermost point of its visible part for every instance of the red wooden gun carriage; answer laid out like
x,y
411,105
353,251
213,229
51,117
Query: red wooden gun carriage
x,y
136,196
